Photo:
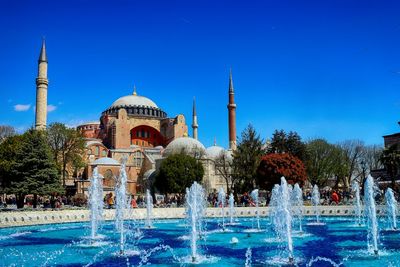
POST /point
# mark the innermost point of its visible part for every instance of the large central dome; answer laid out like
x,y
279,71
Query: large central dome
x,y
134,100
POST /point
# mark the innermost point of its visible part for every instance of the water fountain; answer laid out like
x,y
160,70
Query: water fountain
x,y
357,202
297,204
391,208
149,209
254,196
121,206
95,203
195,209
221,201
315,200
370,213
281,216
231,208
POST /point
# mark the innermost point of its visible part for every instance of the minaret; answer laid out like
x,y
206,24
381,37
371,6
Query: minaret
x,y
194,124
41,91
232,114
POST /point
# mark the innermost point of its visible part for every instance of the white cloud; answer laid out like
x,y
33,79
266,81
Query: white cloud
x,y
21,107
51,108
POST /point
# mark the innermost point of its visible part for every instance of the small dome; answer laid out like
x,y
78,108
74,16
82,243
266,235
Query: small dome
x,y
214,152
186,145
134,100
105,161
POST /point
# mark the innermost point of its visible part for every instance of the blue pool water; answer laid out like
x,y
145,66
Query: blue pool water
x,y
339,241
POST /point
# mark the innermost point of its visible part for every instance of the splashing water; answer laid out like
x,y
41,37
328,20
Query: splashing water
x,y
231,207
370,212
149,209
297,204
195,210
121,205
221,201
281,217
254,196
95,203
391,208
248,258
315,199
357,201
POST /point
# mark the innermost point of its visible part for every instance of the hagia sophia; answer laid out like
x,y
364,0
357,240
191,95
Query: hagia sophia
x,y
135,129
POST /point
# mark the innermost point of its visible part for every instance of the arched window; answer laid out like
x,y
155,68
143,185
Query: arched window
x,y
103,153
96,150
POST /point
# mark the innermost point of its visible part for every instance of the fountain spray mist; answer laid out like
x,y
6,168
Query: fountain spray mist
x,y
121,205
195,209
298,204
95,202
357,201
315,199
370,212
149,209
221,201
391,208
281,217
231,207
254,196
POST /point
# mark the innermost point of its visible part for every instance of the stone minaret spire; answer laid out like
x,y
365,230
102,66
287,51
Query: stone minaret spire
x,y
41,91
194,124
232,114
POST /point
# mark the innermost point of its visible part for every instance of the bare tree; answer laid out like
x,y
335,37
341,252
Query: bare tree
x,y
354,151
223,166
6,131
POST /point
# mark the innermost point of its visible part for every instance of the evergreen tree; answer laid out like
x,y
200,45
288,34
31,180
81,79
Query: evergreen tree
x,y
34,171
283,142
246,159
177,172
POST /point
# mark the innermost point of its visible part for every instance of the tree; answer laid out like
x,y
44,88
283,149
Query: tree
x,y
6,131
287,143
34,171
354,150
325,161
246,159
9,149
67,145
223,166
273,166
177,172
390,159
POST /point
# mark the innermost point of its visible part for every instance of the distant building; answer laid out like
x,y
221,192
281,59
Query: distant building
x,y
381,175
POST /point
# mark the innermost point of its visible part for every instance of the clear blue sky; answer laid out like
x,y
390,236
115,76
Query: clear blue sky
x,y
324,68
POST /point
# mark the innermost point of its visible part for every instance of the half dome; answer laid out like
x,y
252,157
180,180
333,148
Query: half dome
x,y
105,161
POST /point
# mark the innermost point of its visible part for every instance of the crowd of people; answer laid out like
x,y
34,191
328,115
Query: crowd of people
x,y
327,197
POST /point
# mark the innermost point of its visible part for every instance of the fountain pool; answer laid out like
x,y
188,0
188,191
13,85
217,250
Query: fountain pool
x,y
168,244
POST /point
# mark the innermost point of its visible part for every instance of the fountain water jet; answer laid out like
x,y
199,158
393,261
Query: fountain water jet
x,y
391,208
221,201
315,199
149,209
254,196
95,203
231,207
281,217
195,209
297,204
121,205
370,212
357,202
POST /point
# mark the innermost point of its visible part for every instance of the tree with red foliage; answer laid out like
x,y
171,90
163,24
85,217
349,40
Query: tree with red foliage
x,y
273,166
